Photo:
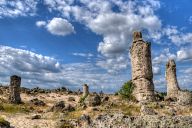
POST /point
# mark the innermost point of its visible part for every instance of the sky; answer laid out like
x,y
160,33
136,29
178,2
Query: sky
x,y
54,43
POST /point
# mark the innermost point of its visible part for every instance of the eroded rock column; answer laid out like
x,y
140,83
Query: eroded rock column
x,y
85,90
15,82
171,78
142,75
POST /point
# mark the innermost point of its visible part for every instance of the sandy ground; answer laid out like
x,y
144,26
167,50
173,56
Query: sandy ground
x,y
23,120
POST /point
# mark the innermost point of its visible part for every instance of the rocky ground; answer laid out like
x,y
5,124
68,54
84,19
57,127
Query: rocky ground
x,y
61,108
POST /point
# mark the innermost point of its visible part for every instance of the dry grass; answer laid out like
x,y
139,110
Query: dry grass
x,y
73,115
126,108
13,108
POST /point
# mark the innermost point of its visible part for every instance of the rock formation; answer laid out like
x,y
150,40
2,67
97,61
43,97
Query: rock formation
x,y
171,78
142,75
85,90
184,98
15,89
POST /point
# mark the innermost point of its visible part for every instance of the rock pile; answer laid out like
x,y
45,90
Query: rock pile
x,y
37,102
93,100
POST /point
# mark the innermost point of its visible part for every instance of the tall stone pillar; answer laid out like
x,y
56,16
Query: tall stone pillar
x,y
171,78
85,90
14,88
142,74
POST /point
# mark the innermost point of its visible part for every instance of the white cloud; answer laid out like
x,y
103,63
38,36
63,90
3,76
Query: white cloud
x,y
27,61
188,71
164,57
184,54
116,27
156,70
83,54
57,26
45,71
14,8
177,36
40,23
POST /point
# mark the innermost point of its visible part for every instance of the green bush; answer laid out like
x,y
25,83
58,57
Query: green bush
x,y
82,99
127,90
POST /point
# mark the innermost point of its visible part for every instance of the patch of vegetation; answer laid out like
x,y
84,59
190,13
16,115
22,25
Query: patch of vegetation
x,y
14,108
127,109
127,90
73,115
65,125
161,95
82,99
36,127
3,122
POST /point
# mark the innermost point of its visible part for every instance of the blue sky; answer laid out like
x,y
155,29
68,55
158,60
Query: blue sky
x,y
52,43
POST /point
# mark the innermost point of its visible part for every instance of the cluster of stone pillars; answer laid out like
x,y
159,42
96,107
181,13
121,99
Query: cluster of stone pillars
x,y
142,74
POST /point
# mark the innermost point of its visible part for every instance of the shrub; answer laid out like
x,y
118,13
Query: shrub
x,y
82,99
3,122
127,90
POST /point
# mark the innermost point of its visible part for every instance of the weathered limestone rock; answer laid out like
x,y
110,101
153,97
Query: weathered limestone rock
x,y
147,121
58,107
37,102
147,111
93,100
85,90
142,75
15,89
171,78
184,98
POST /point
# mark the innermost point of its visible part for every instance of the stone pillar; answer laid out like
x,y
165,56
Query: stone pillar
x,y
142,74
14,89
171,78
85,90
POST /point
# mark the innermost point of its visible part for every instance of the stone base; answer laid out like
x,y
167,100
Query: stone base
x,y
184,98
172,94
143,90
145,97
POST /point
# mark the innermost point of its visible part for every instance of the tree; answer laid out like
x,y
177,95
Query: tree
x,y
127,90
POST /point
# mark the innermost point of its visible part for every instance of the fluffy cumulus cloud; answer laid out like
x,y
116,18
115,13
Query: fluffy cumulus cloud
x,y
47,72
41,23
14,8
115,20
57,26
177,36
